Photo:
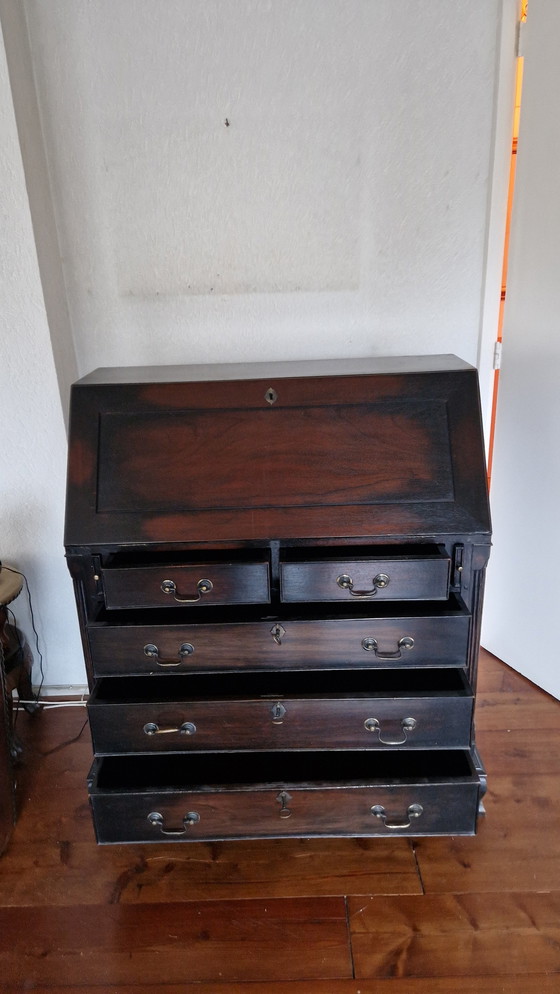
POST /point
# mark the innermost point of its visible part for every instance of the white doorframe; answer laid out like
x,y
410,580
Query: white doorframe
x,y
504,100
522,582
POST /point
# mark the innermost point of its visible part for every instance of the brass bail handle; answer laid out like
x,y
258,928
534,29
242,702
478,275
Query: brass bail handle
x,y
371,645
156,819
152,728
412,812
379,582
184,650
203,587
407,724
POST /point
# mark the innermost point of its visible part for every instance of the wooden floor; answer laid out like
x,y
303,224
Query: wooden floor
x,y
390,916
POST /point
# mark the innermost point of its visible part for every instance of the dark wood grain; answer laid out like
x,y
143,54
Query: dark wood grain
x,y
351,709
439,640
457,933
403,578
215,461
195,585
234,940
506,984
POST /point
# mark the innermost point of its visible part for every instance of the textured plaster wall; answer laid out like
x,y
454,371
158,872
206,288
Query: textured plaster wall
x,y
33,445
262,179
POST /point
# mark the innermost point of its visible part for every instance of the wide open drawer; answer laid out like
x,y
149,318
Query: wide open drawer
x,y
431,636
338,709
179,798
186,585
418,573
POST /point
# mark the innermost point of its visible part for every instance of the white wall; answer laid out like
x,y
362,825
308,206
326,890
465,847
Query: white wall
x,y
33,445
342,212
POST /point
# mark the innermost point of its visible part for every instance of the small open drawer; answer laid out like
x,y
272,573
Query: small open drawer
x,y
267,795
186,585
410,573
336,709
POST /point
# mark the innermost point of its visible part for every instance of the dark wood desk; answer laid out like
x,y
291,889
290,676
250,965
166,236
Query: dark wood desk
x,y
279,573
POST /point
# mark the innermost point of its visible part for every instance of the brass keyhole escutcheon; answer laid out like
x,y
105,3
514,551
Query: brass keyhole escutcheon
x,y
271,396
283,798
278,631
278,712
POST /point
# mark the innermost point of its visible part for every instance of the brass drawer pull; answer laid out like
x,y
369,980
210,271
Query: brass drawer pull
x,y
152,651
203,587
407,724
187,728
156,819
347,583
371,645
413,811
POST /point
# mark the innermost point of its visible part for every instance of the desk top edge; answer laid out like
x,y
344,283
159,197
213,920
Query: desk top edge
x,y
369,365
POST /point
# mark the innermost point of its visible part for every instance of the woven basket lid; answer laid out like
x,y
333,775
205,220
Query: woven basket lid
x,y
10,584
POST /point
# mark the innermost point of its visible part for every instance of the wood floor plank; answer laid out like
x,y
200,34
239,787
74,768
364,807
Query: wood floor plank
x,y
518,751
494,675
68,872
517,847
126,944
461,935
490,672
505,984
51,816
516,712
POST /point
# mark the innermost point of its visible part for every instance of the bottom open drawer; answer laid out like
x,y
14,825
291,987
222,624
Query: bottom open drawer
x,y
264,795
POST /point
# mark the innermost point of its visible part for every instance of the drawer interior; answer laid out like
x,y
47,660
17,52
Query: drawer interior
x,y
416,550
314,685
294,612
273,770
134,558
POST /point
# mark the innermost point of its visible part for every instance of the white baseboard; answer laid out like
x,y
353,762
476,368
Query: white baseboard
x,y
62,690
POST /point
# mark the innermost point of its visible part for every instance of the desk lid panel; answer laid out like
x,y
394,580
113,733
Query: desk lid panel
x,y
241,460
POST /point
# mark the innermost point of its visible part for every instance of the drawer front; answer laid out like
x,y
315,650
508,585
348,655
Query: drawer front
x,y
433,721
421,578
379,642
282,809
193,585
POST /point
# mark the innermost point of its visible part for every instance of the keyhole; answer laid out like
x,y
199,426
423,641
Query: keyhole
x,y
278,632
271,396
283,798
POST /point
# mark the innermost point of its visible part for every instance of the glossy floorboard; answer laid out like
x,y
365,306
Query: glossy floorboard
x,y
390,916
